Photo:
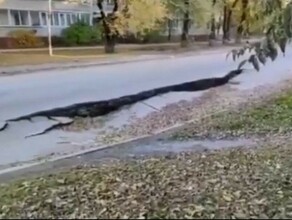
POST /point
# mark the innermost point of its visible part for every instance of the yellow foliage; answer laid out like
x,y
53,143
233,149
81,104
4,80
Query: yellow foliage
x,y
25,39
257,18
139,16
146,14
200,11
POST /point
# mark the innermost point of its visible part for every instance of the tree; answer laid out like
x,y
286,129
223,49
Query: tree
x,y
243,20
190,12
216,19
275,17
213,22
130,16
228,8
186,24
169,28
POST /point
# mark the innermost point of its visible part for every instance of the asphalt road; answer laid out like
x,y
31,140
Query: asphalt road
x,y
28,93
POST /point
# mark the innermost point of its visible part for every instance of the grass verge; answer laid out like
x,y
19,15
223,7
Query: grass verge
x,y
271,116
238,183
70,55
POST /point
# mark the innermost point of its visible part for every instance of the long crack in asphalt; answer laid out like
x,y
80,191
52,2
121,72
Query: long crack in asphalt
x,y
100,108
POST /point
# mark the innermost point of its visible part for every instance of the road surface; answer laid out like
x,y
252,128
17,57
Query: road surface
x,y
28,93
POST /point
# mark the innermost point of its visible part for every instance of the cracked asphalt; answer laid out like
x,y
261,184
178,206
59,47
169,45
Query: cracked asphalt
x,y
28,93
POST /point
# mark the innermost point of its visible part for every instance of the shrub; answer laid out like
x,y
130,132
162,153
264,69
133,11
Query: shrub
x,y
154,36
81,33
58,41
25,39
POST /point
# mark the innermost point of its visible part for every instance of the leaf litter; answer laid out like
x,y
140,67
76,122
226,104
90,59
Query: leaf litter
x,y
236,183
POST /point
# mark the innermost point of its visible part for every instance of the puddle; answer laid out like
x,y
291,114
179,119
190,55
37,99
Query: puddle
x,y
161,148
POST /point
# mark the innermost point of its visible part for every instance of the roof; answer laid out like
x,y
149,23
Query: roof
x,y
42,5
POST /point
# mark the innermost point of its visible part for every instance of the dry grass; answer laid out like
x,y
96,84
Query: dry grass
x,y
8,59
42,57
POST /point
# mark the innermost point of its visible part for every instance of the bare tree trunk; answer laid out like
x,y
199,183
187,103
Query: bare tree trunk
x,y
213,23
110,43
219,25
225,25
240,28
186,25
110,35
227,20
212,36
169,24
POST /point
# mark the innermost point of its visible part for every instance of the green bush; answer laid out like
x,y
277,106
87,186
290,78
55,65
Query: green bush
x,y
154,36
25,39
81,33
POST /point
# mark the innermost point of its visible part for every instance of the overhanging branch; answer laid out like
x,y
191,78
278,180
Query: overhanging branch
x,y
100,7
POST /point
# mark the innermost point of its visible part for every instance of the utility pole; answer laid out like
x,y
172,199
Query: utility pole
x,y
91,12
50,28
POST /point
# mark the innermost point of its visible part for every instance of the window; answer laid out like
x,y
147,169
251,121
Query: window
x,y
85,18
44,19
109,2
62,19
35,18
19,18
4,17
74,18
56,21
24,17
69,21
51,17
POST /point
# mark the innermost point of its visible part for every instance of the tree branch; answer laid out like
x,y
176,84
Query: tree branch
x,y
100,7
116,6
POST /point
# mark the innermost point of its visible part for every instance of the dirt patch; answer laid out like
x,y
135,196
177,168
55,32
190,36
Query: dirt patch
x,y
35,57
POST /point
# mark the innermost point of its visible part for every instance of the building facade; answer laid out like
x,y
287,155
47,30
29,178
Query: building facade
x,y
34,15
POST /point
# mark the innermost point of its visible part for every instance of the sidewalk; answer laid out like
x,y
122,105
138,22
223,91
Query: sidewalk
x,y
63,62
40,56
113,60
77,64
